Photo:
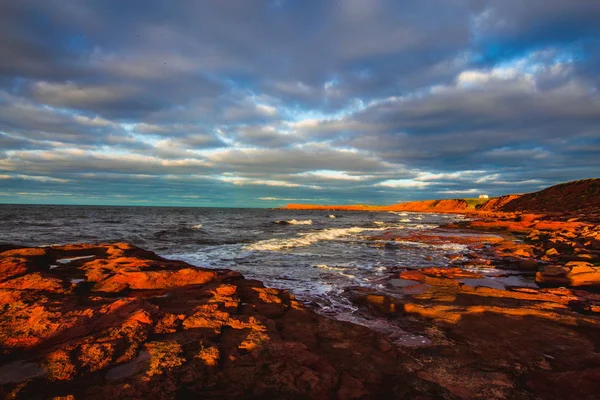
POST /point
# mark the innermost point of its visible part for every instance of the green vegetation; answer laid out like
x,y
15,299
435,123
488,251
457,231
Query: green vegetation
x,y
474,202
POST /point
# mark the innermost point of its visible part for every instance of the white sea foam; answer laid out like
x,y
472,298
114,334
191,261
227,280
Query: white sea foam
x,y
325,266
331,216
423,226
379,223
305,239
405,220
295,222
336,270
68,260
199,226
444,246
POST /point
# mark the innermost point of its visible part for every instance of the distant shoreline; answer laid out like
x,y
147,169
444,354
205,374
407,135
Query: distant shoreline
x,y
576,196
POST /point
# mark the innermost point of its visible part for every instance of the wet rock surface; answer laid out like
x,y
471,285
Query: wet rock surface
x,y
507,320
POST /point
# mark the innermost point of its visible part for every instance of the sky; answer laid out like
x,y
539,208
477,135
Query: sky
x,y
262,103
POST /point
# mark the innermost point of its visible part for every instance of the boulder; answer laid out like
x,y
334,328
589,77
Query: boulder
x,y
574,273
551,252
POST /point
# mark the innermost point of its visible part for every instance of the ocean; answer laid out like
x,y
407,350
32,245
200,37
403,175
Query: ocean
x,y
317,255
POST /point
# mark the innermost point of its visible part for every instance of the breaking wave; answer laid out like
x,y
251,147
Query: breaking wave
x,y
305,239
337,270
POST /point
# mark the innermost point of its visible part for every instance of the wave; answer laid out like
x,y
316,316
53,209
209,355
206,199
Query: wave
x,y
325,266
331,216
444,246
379,223
305,239
405,220
423,226
199,226
337,270
295,222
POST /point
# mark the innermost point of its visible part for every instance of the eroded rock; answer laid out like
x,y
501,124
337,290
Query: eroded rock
x,y
140,326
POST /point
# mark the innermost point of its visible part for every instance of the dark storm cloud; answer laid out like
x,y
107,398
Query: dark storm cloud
x,y
284,98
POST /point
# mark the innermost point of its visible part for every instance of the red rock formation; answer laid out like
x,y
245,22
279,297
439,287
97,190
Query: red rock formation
x,y
485,343
118,321
121,322
496,203
572,274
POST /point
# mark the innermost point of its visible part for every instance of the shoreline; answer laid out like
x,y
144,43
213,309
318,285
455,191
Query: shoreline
x,y
116,320
576,198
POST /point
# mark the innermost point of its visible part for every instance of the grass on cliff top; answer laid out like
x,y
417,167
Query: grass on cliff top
x,y
474,202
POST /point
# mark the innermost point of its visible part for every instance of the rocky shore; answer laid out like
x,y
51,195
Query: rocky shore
x,y
516,316
487,335
115,321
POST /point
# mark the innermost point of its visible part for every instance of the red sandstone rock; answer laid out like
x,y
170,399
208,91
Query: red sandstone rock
x,y
486,341
171,334
176,332
453,273
574,273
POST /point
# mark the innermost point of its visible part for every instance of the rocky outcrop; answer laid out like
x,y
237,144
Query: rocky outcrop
x,y
572,274
480,342
116,321
562,251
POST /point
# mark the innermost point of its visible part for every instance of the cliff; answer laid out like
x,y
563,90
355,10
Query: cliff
x,y
583,195
496,203
567,197
455,205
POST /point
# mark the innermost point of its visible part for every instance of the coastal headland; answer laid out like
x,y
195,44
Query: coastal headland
x,y
97,321
582,197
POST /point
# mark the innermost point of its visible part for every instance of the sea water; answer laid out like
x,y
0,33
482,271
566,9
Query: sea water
x,y
316,255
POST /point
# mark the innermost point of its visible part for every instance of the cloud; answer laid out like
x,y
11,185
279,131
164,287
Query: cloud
x,y
360,101
238,180
73,95
403,183
34,178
